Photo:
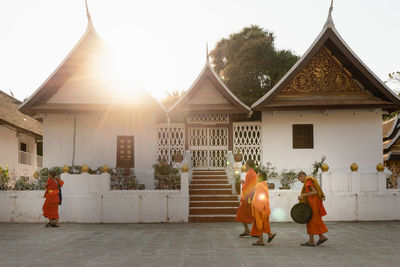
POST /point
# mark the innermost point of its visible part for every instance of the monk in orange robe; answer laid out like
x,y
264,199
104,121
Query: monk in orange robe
x,y
52,195
261,211
312,195
244,214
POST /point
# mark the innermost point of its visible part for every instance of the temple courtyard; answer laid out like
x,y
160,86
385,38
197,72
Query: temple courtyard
x,y
195,244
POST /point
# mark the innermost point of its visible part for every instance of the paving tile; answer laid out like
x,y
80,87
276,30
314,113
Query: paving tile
x,y
195,244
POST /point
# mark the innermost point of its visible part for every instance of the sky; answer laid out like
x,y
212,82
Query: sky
x,y
162,44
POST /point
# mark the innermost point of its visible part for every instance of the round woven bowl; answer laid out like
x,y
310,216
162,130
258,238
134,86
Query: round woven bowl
x,y
301,213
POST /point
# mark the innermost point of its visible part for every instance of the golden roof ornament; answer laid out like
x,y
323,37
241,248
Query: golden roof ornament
x,y
354,167
185,168
105,168
329,21
324,167
85,168
380,167
65,169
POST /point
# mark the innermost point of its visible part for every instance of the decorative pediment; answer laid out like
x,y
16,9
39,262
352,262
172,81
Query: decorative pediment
x,y
324,75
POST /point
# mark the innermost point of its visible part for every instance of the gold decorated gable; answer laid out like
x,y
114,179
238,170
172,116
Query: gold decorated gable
x,y
324,75
396,146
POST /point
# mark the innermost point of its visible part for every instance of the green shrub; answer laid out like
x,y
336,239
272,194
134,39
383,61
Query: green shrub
x,y
4,178
123,179
166,176
23,184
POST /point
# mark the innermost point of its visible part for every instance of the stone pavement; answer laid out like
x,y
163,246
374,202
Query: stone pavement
x,y
196,244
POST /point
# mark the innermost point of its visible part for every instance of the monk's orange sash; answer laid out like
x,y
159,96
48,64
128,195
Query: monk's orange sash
x,y
260,203
321,194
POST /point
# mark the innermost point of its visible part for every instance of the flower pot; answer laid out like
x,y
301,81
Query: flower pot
x,y
237,187
271,186
238,157
178,158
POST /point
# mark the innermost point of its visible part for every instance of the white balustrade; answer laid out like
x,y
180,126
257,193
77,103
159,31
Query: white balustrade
x,y
25,158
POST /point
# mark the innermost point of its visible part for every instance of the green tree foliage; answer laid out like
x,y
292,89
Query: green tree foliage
x,y
394,77
171,98
249,64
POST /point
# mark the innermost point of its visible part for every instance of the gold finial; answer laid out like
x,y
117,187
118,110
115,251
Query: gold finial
x,y
87,11
329,21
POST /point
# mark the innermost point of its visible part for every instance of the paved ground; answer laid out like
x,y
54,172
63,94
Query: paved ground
x,y
195,244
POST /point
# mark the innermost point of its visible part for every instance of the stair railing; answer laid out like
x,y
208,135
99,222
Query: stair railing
x,y
230,169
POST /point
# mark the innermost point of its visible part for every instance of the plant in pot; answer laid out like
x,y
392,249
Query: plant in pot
x,y
288,177
177,157
238,156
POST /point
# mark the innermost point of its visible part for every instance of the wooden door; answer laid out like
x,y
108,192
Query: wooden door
x,y
125,152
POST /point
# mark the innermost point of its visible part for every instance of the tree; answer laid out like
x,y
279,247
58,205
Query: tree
x,y
249,64
394,77
171,98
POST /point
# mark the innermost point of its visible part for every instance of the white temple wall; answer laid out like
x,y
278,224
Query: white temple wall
x,y
343,136
88,199
96,140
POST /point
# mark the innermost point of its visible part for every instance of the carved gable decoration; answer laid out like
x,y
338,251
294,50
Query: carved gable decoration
x,y
324,75
396,146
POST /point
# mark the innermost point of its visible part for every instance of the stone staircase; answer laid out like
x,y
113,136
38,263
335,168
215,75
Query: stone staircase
x,y
211,197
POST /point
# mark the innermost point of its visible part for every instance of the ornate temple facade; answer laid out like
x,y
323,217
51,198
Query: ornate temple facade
x,y
328,104
391,148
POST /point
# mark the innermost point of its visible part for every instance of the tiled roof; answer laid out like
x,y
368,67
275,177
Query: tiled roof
x,y
10,114
388,127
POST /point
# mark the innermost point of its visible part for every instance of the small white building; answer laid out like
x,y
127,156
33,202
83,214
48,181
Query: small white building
x,y
20,139
328,104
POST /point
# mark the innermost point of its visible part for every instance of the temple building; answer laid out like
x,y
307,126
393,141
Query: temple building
x,y
20,139
391,148
328,104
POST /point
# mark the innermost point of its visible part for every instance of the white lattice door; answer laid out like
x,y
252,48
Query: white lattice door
x,y
208,146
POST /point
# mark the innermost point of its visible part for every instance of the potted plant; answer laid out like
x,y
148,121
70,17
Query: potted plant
x,y
177,157
288,177
238,156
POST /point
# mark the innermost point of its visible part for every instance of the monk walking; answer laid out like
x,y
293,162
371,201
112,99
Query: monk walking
x,y
244,214
312,195
53,199
261,211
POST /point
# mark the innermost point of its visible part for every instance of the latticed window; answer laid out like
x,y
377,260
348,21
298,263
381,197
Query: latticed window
x,y
303,136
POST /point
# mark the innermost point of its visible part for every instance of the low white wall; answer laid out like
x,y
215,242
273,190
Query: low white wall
x,y
88,199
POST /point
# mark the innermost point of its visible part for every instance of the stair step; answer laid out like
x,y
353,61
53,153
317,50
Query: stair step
x,y
209,173
229,197
204,181
199,218
214,203
210,186
212,211
210,191
213,177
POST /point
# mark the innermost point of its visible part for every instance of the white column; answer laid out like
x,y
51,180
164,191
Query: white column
x,y
381,181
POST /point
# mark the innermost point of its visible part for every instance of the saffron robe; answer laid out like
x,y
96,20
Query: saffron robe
x,y
244,214
261,210
315,226
50,206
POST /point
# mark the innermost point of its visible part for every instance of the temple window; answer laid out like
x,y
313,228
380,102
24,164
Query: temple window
x,y
303,136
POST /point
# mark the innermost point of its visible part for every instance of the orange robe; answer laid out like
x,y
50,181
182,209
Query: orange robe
x,y
260,210
50,206
243,214
315,226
